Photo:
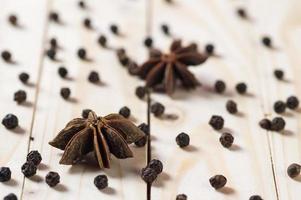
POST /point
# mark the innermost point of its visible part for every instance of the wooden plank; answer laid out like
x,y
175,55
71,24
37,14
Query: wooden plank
x,y
247,165
25,44
116,91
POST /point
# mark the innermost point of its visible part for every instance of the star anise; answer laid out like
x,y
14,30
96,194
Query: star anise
x,y
166,69
103,135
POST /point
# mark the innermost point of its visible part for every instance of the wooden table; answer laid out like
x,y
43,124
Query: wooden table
x,y
255,165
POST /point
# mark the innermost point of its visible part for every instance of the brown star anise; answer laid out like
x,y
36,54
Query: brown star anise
x,y
167,68
103,135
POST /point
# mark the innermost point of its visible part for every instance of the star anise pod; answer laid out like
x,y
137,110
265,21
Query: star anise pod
x,y
167,68
102,135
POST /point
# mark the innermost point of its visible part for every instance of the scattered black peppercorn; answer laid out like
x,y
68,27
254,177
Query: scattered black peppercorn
x,y
93,77
156,165
85,113
81,53
10,121
149,175
279,107
133,68
102,40
82,4
293,170
52,179
65,93
241,88
101,181
148,42
226,140
35,157
5,174
24,77
181,197
51,53
255,197
140,92
114,29
10,196
157,109
165,29
242,13
141,142
6,56
125,112
292,102
267,41
265,124
87,23
183,140
122,57
278,124
209,48
218,181
63,72
13,20
29,169
145,128
54,16
231,107
220,86
279,74
20,96
216,122
53,43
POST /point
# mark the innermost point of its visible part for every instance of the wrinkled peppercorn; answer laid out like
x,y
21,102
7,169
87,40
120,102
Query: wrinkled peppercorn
x,y
5,174
148,42
93,77
82,4
218,181
87,23
220,86
241,13
10,121
29,169
181,197
114,29
265,124
13,20
63,72
140,92
10,196
51,53
133,68
122,57
157,109
81,53
52,179
292,102
255,197
85,113
54,16
279,107
156,165
65,93
53,43
24,77
102,40
20,96
149,175
279,74
231,107
278,124
125,112
35,157
209,48
241,88
145,128
226,140
101,181
165,29
141,142
6,56
293,170
266,41
216,122
183,140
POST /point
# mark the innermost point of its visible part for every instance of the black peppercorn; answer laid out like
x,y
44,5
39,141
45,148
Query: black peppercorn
x,y
157,109
165,29
5,174
292,102
82,4
278,124
62,71
122,57
87,23
53,43
279,107
85,113
142,142
102,40
218,181
29,169
140,92
255,197
241,88
125,112
114,29
54,16
183,140
279,74
231,107
20,96
216,122
293,170
35,157
209,48
10,121
267,41
242,13
148,42
81,53
265,124
144,127
133,68
10,196
220,86
226,140
181,197
51,53
101,181
13,20
65,93
149,175
93,77
24,77
6,56
52,179
156,165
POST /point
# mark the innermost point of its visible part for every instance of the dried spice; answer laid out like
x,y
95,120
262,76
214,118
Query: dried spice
x,y
167,68
52,179
94,77
181,197
293,170
145,129
216,122
101,182
13,19
140,92
231,107
279,74
142,142
133,68
85,113
87,23
183,140
157,109
35,157
10,121
53,43
24,77
165,29
278,124
226,140
255,197
156,165
148,42
29,169
65,93
5,174
220,86
63,72
125,112
20,96
292,102
102,40
114,29
6,56
149,175
242,13
101,135
54,16
267,41
265,124
51,53
218,181
209,48
279,107
10,196
82,53
122,57
241,88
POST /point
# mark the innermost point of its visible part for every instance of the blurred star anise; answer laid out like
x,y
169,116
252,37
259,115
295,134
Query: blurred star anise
x,y
166,69
103,135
